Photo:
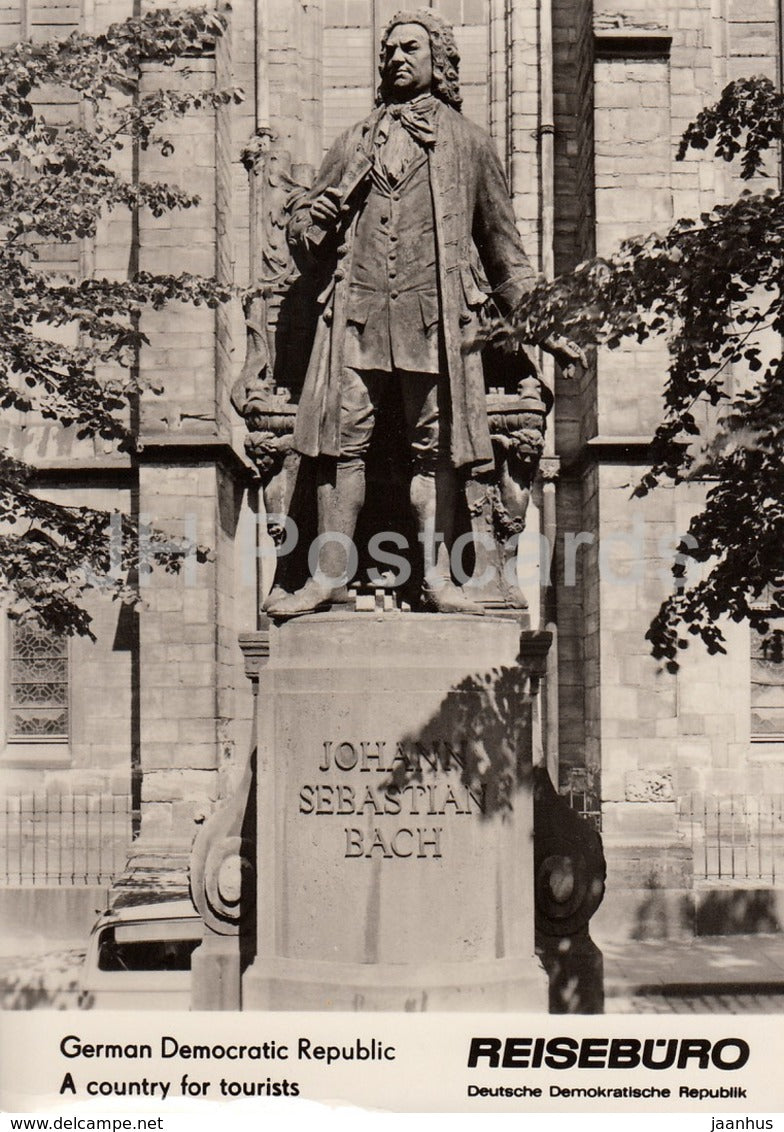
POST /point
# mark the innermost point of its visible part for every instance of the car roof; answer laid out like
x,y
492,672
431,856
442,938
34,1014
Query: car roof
x,y
163,910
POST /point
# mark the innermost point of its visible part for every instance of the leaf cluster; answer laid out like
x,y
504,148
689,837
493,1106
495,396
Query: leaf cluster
x,y
711,289
67,344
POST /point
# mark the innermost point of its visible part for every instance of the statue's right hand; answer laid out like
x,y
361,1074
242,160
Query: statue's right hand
x,y
326,207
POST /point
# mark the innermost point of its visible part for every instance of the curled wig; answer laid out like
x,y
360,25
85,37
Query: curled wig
x,y
443,50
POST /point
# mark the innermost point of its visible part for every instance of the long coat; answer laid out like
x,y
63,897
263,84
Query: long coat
x,y
471,205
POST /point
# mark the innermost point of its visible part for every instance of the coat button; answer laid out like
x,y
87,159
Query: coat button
x,y
393,294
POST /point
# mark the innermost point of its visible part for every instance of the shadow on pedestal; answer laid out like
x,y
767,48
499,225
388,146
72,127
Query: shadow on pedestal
x,y
487,715
569,886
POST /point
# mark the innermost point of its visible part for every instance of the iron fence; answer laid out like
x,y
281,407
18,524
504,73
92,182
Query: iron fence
x,y
580,795
736,837
60,839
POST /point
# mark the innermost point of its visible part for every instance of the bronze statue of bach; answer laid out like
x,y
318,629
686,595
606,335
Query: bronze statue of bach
x,y
403,203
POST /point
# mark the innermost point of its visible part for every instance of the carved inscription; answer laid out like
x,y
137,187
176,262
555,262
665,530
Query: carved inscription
x,y
395,795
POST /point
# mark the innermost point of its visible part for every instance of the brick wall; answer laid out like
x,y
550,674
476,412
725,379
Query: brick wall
x,y
352,30
654,736
294,62
177,704
642,107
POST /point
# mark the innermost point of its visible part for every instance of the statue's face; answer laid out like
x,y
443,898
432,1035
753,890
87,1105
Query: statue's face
x,y
408,65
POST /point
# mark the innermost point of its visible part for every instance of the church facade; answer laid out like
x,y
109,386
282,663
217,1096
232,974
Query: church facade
x,y
150,724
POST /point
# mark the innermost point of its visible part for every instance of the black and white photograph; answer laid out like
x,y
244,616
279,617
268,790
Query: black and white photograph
x,y
392,553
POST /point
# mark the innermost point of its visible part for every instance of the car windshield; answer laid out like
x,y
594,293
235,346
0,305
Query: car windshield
x,y
124,949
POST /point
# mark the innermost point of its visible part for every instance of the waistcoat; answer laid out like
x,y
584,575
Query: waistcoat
x,y
393,307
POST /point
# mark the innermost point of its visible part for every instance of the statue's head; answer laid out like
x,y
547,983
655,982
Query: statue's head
x,y
418,52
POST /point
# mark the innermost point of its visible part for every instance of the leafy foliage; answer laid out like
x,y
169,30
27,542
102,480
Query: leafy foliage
x,y
55,185
712,288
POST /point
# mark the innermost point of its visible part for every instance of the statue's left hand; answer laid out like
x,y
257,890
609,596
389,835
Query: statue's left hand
x,y
567,354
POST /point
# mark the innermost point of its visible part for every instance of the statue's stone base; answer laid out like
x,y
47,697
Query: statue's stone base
x,y
215,974
395,817
502,984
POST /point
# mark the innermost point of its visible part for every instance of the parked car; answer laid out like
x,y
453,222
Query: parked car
x,y
139,958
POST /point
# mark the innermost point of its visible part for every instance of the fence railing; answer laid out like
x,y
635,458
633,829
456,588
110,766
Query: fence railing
x,y
584,802
48,839
736,837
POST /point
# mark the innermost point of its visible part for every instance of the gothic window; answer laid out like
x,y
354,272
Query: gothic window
x,y
37,700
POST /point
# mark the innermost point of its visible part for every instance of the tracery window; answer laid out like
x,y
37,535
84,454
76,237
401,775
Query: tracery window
x,y
37,701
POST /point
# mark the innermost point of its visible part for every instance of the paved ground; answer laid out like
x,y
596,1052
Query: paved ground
x,y
717,975
714,975
43,981
696,1004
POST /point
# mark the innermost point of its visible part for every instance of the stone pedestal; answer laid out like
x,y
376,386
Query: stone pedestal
x,y
394,814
